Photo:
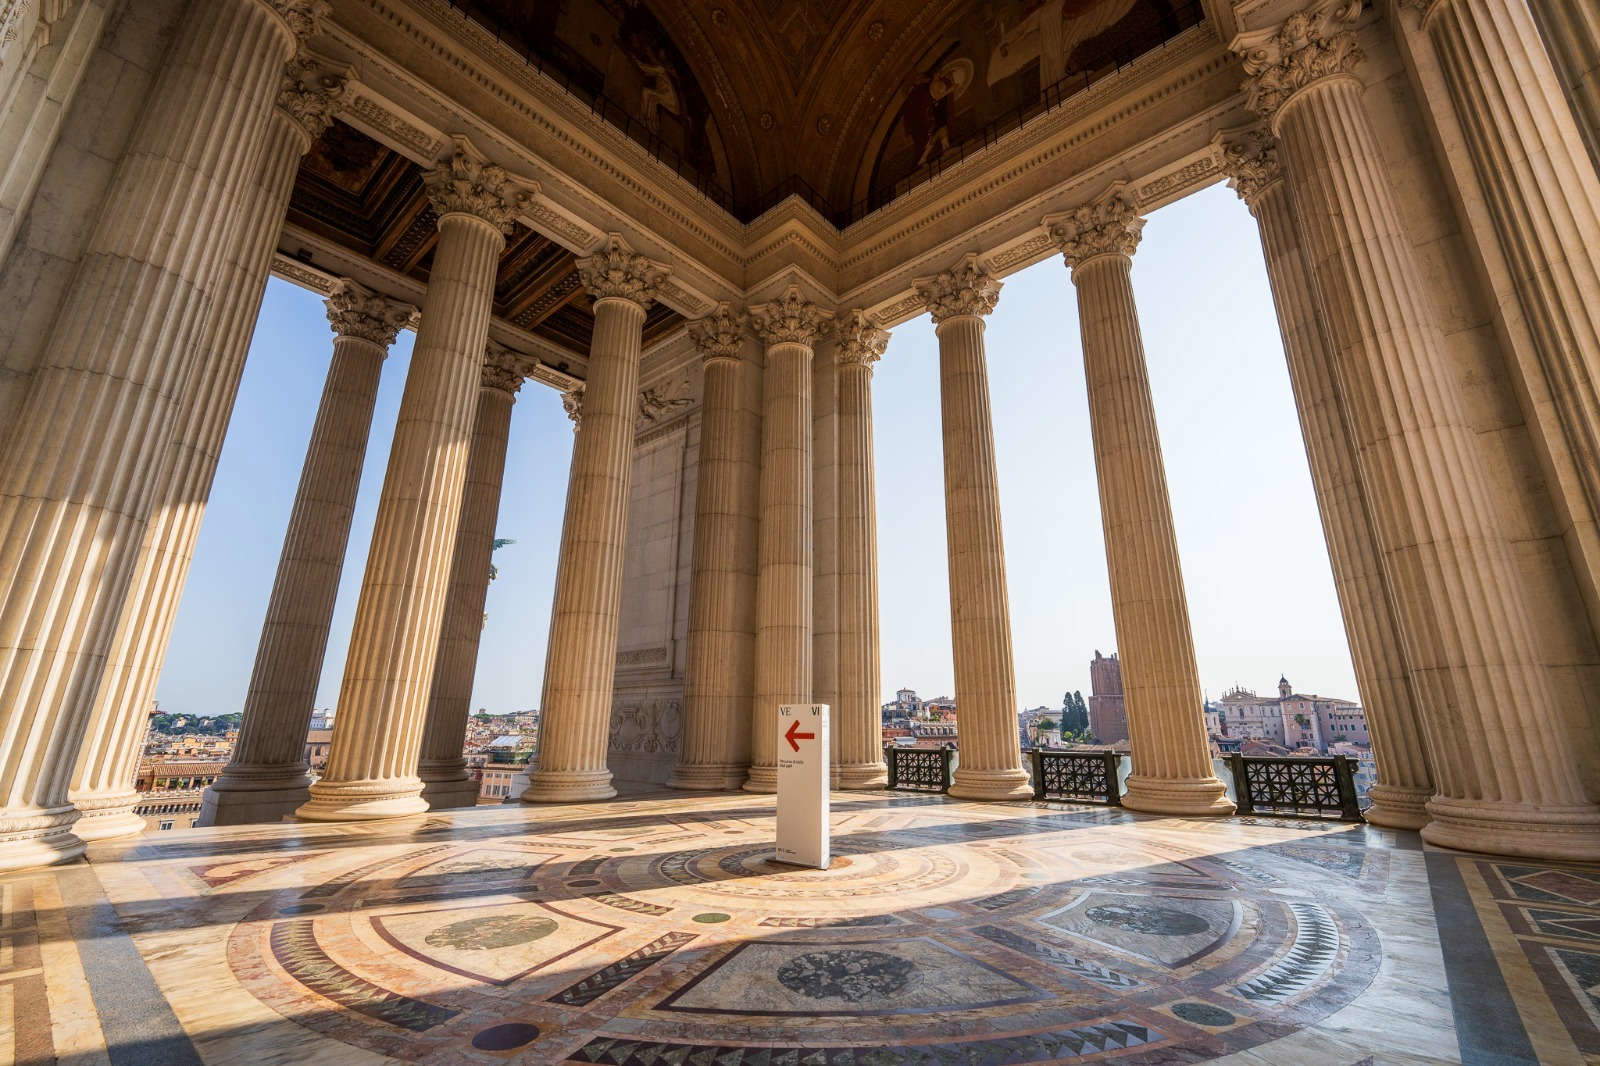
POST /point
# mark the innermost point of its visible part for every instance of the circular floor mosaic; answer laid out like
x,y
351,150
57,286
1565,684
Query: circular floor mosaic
x,y
992,934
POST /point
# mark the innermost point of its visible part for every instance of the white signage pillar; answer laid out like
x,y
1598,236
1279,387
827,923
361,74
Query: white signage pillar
x,y
803,784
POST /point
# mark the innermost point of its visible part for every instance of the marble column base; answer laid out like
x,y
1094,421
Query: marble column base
x,y
726,777
1394,807
761,779
1166,795
861,775
1007,784
1570,833
443,795
107,816
361,801
568,786
251,806
41,839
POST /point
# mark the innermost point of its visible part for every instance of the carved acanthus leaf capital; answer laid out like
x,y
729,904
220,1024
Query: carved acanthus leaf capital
x,y
720,334
861,342
303,16
310,96
572,403
1250,159
467,184
965,290
790,319
1308,47
1110,226
615,270
356,311
503,368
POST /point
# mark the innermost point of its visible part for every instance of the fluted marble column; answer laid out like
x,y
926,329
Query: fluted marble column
x,y
1172,771
442,767
80,465
980,611
1506,779
580,666
1571,31
1398,746
825,534
857,715
377,732
103,787
267,777
714,746
1542,193
788,327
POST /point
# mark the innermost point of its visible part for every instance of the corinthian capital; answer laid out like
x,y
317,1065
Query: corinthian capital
x,y
1250,159
572,404
720,334
468,184
503,368
303,16
356,311
861,342
965,290
1110,226
616,270
790,319
1308,47
310,95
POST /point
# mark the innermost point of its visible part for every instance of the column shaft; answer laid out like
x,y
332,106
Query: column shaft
x,y
371,770
1571,30
825,536
714,749
1543,197
580,666
445,781
1403,784
266,779
1172,772
857,717
82,461
980,611
103,788
1507,781
786,584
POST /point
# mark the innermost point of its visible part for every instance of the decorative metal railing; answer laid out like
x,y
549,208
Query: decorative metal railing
x,y
1306,786
1085,776
919,769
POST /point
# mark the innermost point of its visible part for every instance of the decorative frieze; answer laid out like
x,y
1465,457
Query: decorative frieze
x,y
1308,47
720,334
1250,159
356,311
305,276
1110,226
1021,253
616,271
1184,177
861,342
466,184
311,95
503,368
790,319
658,403
968,289
379,116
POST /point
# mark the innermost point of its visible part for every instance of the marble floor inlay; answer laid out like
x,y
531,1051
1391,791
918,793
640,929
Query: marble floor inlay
x,y
657,930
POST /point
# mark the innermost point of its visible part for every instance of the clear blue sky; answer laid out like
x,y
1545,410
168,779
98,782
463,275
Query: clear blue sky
x,y
1260,594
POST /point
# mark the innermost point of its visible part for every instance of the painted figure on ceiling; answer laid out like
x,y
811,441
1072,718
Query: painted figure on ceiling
x,y
926,112
1046,33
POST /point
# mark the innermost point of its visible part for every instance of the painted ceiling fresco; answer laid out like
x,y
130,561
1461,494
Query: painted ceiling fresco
x,y
857,99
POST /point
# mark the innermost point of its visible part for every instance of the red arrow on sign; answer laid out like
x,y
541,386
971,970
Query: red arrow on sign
x,y
794,737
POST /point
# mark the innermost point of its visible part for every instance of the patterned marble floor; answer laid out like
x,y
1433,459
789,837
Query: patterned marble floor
x,y
656,930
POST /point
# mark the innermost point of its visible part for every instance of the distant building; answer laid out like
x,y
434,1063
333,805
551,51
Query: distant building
x,y
1108,717
1291,720
505,768
318,741
170,790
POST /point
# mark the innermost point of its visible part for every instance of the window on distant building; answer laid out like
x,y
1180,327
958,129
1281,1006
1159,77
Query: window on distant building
x,y
166,823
